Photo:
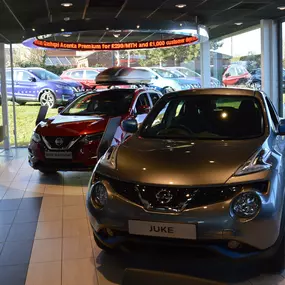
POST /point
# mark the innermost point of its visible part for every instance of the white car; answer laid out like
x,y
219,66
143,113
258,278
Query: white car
x,y
168,81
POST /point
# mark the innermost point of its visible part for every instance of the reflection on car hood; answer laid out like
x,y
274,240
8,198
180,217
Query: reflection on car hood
x,y
167,162
66,82
189,80
62,125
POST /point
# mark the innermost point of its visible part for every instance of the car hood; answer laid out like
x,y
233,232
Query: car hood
x,y
181,163
189,80
72,125
66,82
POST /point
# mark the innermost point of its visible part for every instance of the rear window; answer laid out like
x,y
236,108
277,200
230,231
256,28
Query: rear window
x,y
109,103
205,117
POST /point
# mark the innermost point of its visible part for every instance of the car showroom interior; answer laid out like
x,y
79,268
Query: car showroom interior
x,y
142,142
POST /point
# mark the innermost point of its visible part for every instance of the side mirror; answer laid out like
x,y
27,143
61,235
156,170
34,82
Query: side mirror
x,y
130,126
281,128
227,75
143,110
60,109
32,79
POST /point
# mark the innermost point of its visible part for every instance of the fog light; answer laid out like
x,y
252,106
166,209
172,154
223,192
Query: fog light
x,y
232,244
246,205
99,195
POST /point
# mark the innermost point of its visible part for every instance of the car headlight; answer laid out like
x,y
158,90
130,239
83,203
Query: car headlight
x,y
99,195
93,137
66,87
36,137
258,162
246,205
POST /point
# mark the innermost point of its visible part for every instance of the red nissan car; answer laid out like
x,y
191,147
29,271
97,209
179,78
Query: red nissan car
x,y
69,141
236,74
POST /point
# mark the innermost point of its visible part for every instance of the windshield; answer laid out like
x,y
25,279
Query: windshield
x,y
205,117
111,103
166,73
44,74
189,72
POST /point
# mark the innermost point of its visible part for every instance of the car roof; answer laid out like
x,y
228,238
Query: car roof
x,y
216,91
81,68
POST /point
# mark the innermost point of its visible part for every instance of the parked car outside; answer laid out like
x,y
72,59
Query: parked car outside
x,y
86,76
33,84
188,73
167,81
255,79
223,190
235,74
69,141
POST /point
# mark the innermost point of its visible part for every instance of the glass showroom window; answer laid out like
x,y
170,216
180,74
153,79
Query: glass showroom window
x,y
236,60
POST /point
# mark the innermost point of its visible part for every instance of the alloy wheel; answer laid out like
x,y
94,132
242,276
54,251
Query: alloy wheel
x,y
47,99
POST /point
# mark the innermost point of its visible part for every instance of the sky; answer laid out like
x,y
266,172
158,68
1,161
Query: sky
x,y
244,43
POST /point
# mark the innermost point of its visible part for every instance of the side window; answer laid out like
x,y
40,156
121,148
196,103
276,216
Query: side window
x,y
273,113
154,97
22,76
91,74
77,74
8,75
142,101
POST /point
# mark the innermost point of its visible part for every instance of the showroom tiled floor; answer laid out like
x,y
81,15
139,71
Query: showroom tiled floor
x,y
45,237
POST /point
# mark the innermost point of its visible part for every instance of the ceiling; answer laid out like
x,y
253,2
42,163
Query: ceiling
x,y
18,18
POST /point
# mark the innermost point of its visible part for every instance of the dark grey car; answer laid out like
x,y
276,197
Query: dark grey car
x,y
206,168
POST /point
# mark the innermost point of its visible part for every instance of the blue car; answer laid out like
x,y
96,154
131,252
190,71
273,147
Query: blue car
x,y
39,85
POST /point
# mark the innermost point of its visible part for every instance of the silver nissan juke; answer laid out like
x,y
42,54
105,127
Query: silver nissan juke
x,y
206,168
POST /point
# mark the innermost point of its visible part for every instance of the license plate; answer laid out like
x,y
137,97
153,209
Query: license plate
x,y
157,229
58,155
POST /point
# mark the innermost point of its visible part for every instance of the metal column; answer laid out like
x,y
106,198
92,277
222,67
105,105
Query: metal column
x,y
13,95
205,64
269,60
5,119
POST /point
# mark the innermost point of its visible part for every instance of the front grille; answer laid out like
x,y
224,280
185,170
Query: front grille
x,y
174,199
65,142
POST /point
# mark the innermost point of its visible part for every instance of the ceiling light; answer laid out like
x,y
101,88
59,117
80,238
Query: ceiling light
x,y
281,8
116,35
66,4
66,19
180,6
62,30
66,35
138,26
107,29
239,23
181,25
33,29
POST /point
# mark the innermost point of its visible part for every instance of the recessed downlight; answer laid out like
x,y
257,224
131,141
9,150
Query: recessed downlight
x,y
281,8
116,35
66,4
238,23
107,29
66,35
33,29
66,19
62,30
180,6
138,26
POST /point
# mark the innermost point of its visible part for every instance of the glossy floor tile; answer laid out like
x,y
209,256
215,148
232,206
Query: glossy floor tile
x,y
45,238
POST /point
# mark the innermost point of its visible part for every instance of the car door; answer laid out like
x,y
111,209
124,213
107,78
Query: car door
x,y
90,77
9,84
154,97
77,75
25,86
231,76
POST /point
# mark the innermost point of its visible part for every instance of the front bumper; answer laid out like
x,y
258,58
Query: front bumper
x,y
215,226
84,157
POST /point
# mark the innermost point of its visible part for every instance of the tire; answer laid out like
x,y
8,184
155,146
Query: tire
x,y
21,103
166,90
103,246
48,172
276,263
47,98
